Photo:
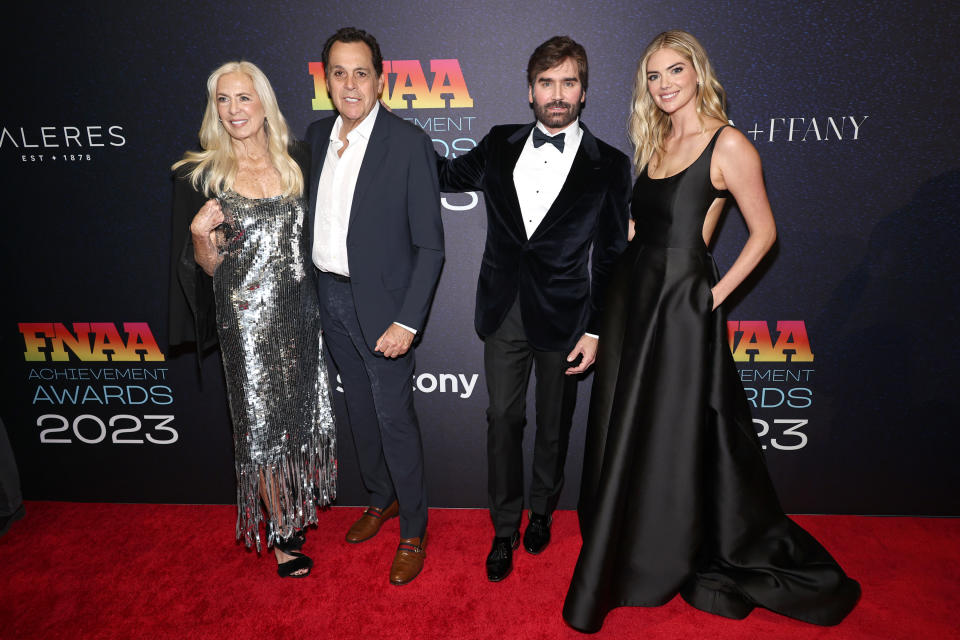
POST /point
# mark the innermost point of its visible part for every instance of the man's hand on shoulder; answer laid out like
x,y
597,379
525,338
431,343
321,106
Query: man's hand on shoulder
x,y
587,348
394,342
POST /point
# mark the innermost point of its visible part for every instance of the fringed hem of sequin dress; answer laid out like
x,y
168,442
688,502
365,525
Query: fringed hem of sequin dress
x,y
268,323
300,483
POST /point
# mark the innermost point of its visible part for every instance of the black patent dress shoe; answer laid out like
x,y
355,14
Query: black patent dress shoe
x,y
500,558
537,536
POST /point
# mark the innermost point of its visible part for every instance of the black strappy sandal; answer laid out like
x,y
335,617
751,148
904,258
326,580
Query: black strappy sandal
x,y
291,546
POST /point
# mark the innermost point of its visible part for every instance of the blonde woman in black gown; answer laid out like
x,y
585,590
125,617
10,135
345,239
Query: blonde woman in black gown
x,y
675,496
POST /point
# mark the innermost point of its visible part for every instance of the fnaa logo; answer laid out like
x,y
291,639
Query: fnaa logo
x,y
751,341
89,342
406,85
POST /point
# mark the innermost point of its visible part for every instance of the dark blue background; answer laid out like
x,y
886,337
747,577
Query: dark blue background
x,y
867,227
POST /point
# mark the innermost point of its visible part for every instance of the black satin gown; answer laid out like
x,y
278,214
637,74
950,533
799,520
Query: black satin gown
x,y
675,495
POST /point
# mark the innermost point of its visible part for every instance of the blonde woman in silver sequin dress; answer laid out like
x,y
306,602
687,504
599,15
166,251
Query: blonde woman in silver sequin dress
x,y
245,261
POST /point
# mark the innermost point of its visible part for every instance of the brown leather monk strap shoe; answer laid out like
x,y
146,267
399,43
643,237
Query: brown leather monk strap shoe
x,y
370,522
408,562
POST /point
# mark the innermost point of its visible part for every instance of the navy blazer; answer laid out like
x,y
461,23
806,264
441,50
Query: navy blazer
x,y
550,272
395,234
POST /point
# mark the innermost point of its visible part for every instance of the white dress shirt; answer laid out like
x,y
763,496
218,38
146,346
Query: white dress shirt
x,y
338,180
541,172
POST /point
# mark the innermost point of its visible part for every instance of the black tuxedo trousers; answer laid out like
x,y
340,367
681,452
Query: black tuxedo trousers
x,y
508,359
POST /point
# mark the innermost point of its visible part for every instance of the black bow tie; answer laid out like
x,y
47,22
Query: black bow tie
x,y
540,138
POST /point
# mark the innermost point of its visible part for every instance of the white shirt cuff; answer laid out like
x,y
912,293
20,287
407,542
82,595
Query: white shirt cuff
x,y
410,329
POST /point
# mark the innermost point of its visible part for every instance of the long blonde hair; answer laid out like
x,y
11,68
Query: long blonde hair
x,y
648,126
215,168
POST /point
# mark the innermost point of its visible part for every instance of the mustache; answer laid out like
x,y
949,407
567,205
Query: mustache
x,y
557,103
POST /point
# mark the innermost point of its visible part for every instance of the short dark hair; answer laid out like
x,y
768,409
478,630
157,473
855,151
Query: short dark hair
x,y
351,34
553,52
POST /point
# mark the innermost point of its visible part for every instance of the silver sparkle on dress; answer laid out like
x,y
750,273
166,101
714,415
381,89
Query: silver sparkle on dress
x,y
269,328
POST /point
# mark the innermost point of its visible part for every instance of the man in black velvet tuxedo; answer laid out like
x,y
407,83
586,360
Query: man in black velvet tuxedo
x,y
557,209
378,247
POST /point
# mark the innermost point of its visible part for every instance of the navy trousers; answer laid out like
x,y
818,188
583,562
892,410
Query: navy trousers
x,y
379,398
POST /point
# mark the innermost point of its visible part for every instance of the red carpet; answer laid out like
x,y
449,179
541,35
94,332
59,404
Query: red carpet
x,y
72,570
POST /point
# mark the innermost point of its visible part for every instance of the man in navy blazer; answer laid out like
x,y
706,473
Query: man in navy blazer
x,y
377,243
557,209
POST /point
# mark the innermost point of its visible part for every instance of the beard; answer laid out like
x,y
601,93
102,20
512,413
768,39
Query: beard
x,y
556,120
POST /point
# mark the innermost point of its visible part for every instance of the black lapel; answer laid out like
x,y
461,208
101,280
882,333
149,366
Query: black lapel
x,y
373,158
584,171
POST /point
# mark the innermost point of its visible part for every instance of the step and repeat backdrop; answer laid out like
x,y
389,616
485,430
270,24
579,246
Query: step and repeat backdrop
x,y
844,337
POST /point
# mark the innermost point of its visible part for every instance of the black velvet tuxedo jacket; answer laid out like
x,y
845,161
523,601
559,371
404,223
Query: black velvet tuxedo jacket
x,y
550,272
395,234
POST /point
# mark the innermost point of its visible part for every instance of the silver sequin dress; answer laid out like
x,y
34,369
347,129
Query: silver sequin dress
x,y
269,329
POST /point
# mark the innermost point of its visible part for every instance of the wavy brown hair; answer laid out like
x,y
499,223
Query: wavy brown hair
x,y
553,52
